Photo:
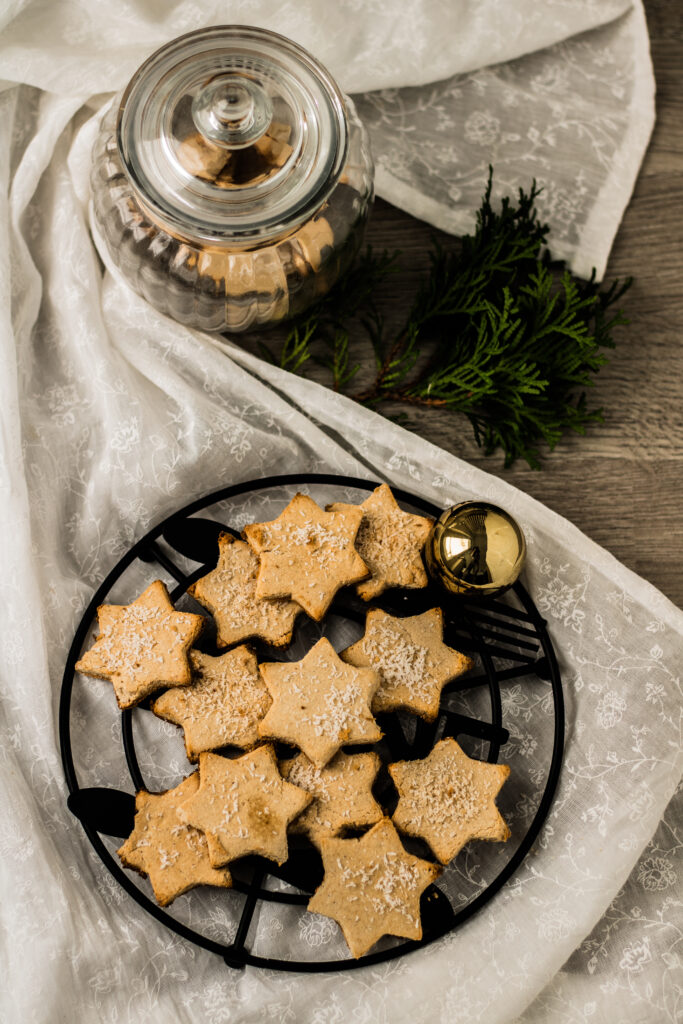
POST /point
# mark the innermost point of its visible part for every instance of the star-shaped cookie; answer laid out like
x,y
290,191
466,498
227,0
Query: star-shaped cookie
x,y
448,798
307,554
411,658
229,593
142,647
223,706
319,703
390,542
372,887
174,855
342,793
244,806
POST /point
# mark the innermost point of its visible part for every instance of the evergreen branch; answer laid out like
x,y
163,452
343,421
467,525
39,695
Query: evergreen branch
x,y
297,347
495,332
338,364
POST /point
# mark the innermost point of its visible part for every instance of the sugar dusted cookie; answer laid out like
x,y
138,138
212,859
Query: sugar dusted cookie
x,y
174,855
222,707
244,806
142,647
372,887
307,554
342,794
390,542
229,593
319,703
448,798
411,658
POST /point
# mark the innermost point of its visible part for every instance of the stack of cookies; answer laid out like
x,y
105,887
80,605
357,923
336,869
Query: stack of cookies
x,y
322,705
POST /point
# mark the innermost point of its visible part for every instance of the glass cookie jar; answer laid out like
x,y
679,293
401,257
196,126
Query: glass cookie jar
x,y
231,179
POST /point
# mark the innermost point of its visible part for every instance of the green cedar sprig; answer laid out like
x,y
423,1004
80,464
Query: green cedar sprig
x,y
495,331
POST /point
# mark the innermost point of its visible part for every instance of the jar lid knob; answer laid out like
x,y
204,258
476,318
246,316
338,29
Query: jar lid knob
x,y
232,111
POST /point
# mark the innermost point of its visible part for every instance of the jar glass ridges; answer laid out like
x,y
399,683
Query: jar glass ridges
x,y
231,180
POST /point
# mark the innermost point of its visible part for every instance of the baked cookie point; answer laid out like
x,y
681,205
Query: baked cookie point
x,y
307,554
319,703
142,647
172,854
244,806
342,794
411,659
229,593
390,542
449,798
372,887
222,707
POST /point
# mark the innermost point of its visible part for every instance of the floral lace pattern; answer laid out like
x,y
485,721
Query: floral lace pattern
x,y
640,933
572,117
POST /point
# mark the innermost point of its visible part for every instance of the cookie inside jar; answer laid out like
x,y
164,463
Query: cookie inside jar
x,y
232,180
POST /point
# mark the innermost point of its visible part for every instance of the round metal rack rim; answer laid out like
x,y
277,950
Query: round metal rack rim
x,y
236,954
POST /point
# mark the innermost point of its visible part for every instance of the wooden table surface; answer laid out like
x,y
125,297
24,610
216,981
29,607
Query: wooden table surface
x,y
622,483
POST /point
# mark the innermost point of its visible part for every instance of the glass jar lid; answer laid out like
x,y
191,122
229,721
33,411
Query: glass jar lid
x,y
232,135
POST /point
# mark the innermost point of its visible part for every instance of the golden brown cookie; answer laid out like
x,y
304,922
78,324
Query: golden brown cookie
x,y
279,130
142,647
372,887
411,658
448,798
223,706
174,855
319,703
229,592
390,542
276,152
307,554
244,806
342,793
202,158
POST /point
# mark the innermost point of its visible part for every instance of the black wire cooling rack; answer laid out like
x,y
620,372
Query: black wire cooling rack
x,y
507,638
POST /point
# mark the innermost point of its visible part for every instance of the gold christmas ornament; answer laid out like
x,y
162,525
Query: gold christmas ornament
x,y
475,548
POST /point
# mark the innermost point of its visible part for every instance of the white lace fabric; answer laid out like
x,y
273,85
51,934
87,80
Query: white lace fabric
x,y
113,416
575,118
